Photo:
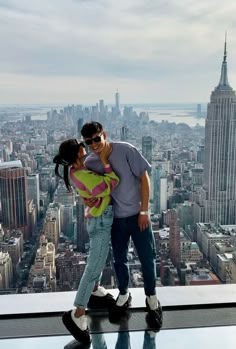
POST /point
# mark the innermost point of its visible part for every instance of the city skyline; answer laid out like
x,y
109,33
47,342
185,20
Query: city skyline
x,y
176,152
80,51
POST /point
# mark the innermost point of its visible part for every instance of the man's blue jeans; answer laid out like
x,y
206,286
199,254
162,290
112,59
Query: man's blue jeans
x,y
99,231
122,230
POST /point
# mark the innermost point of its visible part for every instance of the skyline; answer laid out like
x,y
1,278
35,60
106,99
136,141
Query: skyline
x,y
80,51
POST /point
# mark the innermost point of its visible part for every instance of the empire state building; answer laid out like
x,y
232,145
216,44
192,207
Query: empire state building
x,y
218,194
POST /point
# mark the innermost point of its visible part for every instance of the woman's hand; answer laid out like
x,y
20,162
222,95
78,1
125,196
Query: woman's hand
x,y
106,151
90,202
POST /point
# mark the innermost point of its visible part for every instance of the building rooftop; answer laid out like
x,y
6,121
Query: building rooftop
x,y
225,257
10,164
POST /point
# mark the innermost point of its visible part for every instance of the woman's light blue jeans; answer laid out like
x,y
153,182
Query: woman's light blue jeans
x,y
99,231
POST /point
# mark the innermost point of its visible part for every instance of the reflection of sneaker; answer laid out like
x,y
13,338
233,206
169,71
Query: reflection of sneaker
x,y
123,340
100,299
121,317
120,308
77,326
154,312
151,334
149,340
76,345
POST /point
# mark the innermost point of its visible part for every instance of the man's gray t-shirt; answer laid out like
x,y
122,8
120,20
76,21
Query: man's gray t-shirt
x,y
129,165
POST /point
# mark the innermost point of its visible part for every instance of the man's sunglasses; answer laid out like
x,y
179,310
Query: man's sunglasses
x,y
96,139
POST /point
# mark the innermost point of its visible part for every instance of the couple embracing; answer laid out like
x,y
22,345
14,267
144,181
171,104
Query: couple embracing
x,y
115,187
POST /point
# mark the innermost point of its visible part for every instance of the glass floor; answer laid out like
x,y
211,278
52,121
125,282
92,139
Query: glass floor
x,y
204,337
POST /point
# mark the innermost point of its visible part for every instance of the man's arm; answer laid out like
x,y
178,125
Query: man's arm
x,y
143,219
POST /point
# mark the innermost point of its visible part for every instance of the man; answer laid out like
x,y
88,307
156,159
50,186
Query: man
x,y
131,216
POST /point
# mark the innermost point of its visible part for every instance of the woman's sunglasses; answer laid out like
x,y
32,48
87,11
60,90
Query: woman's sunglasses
x,y
96,139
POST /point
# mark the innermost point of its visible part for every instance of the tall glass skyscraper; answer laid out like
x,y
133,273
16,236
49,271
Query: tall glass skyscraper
x,y
218,193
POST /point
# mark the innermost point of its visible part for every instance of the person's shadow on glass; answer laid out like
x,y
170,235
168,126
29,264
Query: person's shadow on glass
x,y
123,341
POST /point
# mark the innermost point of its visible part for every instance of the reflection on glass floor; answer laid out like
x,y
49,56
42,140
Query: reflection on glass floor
x,y
206,337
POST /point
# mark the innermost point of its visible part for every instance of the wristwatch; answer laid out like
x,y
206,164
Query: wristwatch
x,y
144,213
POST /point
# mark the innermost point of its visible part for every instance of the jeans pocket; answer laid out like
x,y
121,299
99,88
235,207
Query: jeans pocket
x,y
91,225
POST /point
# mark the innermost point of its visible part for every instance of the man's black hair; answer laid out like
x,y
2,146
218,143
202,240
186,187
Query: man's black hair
x,y
90,128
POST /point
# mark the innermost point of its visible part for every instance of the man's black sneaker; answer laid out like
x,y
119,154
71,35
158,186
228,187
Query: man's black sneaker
x,y
154,317
79,334
105,302
120,309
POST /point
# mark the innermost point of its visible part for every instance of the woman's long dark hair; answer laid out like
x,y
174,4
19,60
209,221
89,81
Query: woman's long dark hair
x,y
67,155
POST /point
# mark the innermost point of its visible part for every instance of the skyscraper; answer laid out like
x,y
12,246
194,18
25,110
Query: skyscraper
x,y
14,196
79,126
101,106
147,148
218,194
82,234
174,239
33,189
6,270
117,100
199,110
52,224
67,225
159,189
124,134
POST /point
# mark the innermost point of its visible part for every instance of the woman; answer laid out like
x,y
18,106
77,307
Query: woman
x,y
99,220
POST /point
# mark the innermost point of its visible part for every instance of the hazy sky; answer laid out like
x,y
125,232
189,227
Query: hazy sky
x,y
80,51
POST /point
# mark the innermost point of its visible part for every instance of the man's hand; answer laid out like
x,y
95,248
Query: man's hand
x,y
143,219
89,202
143,222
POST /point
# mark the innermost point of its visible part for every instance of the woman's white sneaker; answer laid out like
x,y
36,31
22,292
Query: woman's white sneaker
x,y
81,321
100,292
77,326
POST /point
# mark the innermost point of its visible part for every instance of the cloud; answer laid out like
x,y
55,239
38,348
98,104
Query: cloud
x,y
142,42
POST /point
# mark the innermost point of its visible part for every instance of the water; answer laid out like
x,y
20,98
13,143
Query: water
x,y
178,113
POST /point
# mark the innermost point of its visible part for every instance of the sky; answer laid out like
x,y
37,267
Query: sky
x,y
80,51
